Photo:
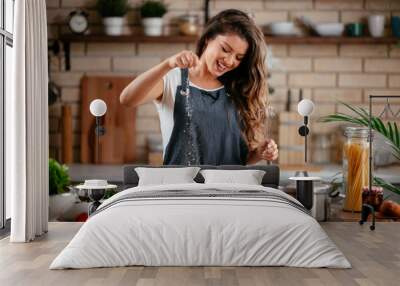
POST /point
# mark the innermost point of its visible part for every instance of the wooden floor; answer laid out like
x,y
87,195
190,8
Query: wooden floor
x,y
375,256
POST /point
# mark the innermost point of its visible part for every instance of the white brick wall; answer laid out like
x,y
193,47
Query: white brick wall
x,y
134,64
394,81
337,64
325,73
362,80
339,5
84,63
332,95
317,16
70,94
294,64
67,79
111,49
266,17
383,5
363,51
288,5
312,50
239,4
382,65
312,79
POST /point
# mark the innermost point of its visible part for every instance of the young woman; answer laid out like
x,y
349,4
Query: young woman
x,y
212,103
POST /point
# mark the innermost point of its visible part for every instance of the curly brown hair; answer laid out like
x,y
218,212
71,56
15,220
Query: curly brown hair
x,y
247,84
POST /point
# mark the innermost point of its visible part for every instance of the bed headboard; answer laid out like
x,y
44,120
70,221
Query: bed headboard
x,y
270,179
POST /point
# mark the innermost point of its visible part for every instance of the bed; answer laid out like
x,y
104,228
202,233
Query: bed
x,y
201,224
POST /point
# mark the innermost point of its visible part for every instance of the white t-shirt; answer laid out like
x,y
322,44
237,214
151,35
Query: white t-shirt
x,y
165,107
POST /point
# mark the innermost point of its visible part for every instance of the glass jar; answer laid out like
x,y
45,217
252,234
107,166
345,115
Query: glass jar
x,y
189,25
355,166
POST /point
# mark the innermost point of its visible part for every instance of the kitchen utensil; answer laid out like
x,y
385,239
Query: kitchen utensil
x,y
324,29
288,100
376,25
282,28
189,25
395,26
300,94
321,207
355,29
329,29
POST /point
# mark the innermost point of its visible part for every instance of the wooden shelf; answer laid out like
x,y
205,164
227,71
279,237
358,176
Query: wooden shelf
x,y
291,40
192,39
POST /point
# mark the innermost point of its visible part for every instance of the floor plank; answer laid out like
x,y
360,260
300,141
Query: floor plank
x,y
375,257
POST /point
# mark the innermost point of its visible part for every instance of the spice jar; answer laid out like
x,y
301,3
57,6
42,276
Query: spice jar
x,y
355,166
189,25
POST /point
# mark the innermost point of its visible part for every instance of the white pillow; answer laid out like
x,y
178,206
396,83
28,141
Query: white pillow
x,y
249,177
163,176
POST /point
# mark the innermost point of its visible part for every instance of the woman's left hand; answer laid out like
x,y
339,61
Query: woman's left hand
x,y
268,150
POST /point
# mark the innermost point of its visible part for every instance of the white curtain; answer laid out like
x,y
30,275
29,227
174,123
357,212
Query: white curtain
x,y
27,124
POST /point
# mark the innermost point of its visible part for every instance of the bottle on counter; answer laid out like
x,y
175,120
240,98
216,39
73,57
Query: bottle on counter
x,y
355,166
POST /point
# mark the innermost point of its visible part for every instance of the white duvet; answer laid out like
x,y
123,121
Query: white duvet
x,y
200,231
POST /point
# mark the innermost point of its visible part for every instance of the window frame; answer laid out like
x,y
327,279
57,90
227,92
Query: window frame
x,y
6,39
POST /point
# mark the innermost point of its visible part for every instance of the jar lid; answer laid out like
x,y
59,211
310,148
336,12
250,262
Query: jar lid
x,y
192,18
361,132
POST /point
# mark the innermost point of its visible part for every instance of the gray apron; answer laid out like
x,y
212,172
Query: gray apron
x,y
206,128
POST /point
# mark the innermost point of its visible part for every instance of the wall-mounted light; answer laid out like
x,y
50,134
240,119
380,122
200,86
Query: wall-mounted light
x,y
305,108
305,184
98,108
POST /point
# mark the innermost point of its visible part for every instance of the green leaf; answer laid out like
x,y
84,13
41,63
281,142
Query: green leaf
x,y
153,8
112,8
58,177
391,132
396,135
386,185
381,127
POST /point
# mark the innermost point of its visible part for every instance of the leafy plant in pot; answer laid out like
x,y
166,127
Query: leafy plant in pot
x,y
389,130
59,180
152,13
112,12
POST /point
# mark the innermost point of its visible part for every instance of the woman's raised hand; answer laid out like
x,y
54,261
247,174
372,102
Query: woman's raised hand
x,y
184,59
268,150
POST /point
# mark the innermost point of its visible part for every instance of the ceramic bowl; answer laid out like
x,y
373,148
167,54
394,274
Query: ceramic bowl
x,y
282,28
329,29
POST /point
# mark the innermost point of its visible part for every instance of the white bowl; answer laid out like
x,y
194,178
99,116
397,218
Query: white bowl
x,y
282,28
95,185
329,29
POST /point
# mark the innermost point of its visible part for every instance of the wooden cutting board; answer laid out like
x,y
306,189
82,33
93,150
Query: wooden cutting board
x,y
291,144
118,144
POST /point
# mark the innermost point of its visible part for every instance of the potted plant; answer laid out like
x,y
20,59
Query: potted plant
x,y
390,131
60,200
112,12
58,177
152,12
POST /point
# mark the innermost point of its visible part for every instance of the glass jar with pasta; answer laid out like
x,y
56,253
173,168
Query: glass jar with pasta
x,y
355,166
